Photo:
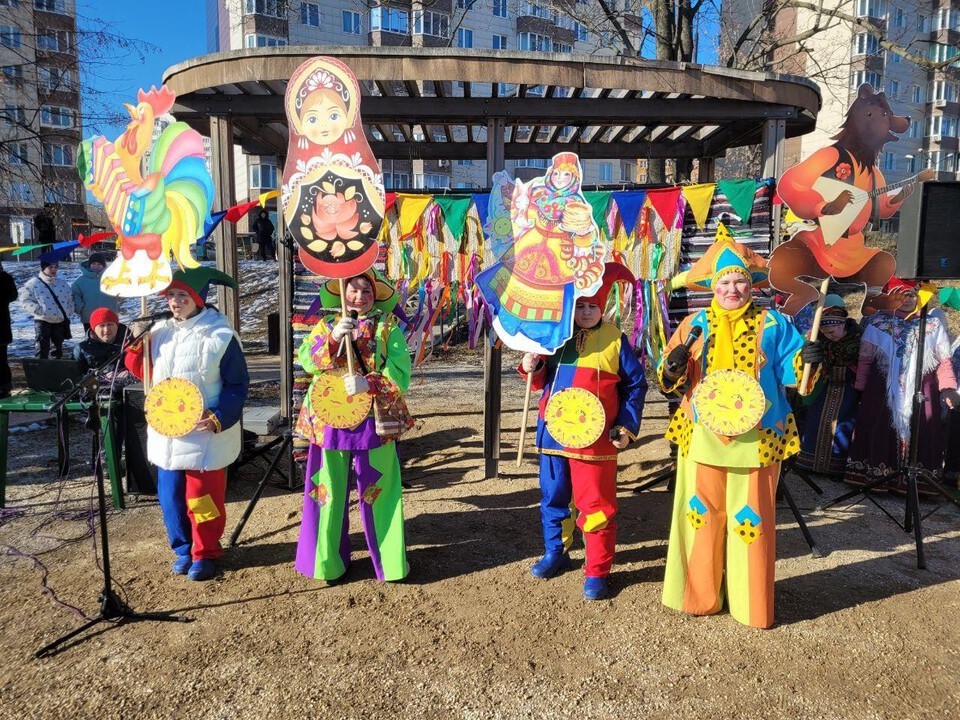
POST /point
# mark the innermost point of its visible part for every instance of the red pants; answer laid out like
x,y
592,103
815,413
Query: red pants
x,y
593,487
192,502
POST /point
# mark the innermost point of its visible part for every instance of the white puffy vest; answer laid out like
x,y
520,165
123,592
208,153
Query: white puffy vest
x,y
192,349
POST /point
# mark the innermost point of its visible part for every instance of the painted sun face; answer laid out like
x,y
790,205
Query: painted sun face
x,y
331,404
173,407
729,402
575,417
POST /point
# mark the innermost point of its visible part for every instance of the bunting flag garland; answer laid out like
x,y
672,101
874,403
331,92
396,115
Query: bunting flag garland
x,y
412,208
950,297
740,194
666,203
267,196
599,201
87,240
238,211
455,209
699,197
629,204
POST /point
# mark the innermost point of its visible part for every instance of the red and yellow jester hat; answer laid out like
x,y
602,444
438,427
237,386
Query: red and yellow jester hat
x,y
726,256
613,272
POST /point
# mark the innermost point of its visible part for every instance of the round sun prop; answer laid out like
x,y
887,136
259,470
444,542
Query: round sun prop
x,y
729,402
173,407
575,417
330,402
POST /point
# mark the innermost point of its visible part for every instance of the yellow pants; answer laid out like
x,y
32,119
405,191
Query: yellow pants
x,y
723,519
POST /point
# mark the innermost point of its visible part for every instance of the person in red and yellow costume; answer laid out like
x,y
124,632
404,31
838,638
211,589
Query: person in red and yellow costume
x,y
733,428
593,391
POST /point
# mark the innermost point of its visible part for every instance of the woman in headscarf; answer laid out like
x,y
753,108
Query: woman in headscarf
x,y
733,428
352,421
832,406
886,372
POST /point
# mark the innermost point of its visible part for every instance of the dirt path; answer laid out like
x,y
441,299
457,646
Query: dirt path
x,y
861,633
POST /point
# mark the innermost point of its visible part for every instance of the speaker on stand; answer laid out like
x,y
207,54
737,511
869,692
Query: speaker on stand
x,y
928,246
141,475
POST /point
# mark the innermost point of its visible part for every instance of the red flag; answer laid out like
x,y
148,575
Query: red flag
x,y
91,239
238,211
391,201
665,203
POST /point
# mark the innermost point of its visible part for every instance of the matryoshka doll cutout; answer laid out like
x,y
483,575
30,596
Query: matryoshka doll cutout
x,y
333,197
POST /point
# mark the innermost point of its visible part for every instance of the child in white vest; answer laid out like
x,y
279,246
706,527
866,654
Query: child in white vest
x,y
198,345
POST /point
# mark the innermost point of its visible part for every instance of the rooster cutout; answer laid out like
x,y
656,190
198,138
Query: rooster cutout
x,y
156,213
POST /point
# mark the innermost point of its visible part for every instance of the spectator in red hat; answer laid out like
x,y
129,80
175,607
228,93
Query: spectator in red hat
x,y
104,340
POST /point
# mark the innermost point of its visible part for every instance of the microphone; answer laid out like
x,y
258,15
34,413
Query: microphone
x,y
695,332
165,315
353,314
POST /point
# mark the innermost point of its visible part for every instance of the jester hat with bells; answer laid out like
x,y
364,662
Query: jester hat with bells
x,y
196,282
613,272
724,256
385,295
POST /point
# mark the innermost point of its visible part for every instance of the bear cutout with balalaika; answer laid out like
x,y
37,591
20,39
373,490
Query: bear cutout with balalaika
x,y
840,190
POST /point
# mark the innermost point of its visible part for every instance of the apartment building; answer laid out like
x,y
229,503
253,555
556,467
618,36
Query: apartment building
x,y
468,24
40,119
844,56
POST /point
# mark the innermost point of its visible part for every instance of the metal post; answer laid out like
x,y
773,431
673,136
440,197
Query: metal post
x,y
225,236
772,144
492,357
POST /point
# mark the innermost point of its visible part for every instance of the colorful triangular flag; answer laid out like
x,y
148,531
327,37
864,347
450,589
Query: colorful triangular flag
x,y
699,198
740,194
666,203
629,204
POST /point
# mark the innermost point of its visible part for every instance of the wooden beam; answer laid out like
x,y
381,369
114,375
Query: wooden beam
x,y
492,355
513,110
771,153
225,236
530,150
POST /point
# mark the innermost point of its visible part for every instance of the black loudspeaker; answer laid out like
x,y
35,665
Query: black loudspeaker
x,y
141,475
929,244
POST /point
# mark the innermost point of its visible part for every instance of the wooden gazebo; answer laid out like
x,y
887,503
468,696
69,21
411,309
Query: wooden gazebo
x,y
448,103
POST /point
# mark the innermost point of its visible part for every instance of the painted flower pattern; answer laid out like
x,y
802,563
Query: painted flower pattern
x,y
844,171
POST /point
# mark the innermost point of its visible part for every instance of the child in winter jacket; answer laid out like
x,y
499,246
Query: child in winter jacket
x,y
50,301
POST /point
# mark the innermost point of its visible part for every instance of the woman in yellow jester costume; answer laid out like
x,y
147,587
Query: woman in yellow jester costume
x,y
732,429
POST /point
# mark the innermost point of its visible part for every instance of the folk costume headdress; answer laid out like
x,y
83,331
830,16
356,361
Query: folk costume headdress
x,y
385,295
613,272
196,282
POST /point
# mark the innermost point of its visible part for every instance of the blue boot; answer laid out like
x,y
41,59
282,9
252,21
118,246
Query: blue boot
x,y
202,570
595,588
550,565
182,564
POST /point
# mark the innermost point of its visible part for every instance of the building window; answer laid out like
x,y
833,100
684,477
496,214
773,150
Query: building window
x,y
894,58
14,115
870,8
916,95
310,14
270,8
430,181
463,163
561,47
12,73
351,22
914,131
464,38
21,229
899,18
53,79
865,44
54,41
18,153
580,32
941,90
10,36
396,180
538,11
431,23
57,6
606,172
263,176
466,4
500,8
499,42
860,77
538,163
20,193
889,162
255,41
60,193
628,172
893,89
533,41
52,116
389,19
56,154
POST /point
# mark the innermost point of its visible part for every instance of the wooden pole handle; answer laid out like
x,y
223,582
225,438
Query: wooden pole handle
x,y
814,332
523,419
343,308
146,352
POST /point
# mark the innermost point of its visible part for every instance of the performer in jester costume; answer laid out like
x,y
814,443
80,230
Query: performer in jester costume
x,y
732,429
593,392
352,421
196,345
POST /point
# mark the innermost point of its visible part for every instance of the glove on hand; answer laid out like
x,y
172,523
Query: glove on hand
x,y
344,327
356,385
677,361
812,352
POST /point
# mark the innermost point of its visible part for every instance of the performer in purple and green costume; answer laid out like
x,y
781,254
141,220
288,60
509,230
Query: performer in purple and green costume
x,y
323,550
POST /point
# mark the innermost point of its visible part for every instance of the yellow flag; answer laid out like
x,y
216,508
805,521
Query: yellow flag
x,y
412,208
699,197
269,195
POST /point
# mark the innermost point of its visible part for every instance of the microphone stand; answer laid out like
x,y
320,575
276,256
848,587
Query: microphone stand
x,y
112,607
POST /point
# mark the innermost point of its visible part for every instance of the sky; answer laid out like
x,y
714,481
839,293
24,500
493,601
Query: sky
x,y
176,29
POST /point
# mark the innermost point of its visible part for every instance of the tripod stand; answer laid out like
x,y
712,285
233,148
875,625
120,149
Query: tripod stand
x,y
112,607
285,440
910,471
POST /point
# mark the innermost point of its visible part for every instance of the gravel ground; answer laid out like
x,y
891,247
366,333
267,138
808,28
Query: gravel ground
x,y
470,634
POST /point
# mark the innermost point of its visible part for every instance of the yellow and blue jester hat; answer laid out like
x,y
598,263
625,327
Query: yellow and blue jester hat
x,y
725,256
